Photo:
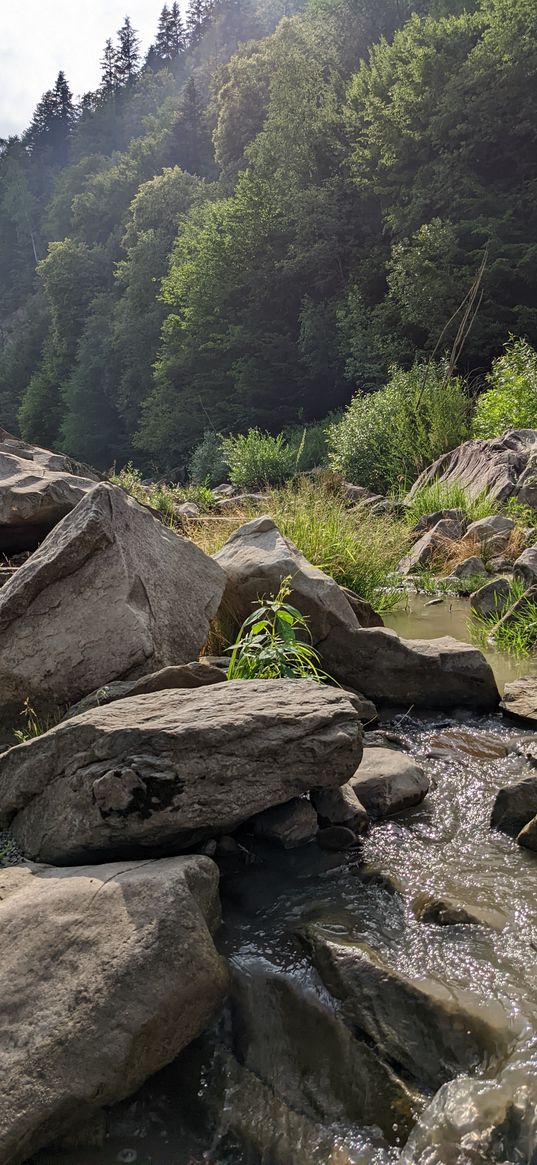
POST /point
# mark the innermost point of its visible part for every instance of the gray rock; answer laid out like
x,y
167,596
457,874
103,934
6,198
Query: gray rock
x,y
160,772
348,1083
289,825
492,598
527,837
110,594
388,782
186,510
186,675
37,489
494,531
525,567
445,911
432,1030
429,521
480,1121
336,838
107,973
496,467
471,568
340,807
514,806
433,543
520,699
428,673
239,500
517,609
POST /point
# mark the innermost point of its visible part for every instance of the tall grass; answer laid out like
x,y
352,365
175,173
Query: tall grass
x,y
516,636
440,496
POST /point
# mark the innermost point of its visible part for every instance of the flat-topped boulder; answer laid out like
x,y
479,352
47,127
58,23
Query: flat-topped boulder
x,y
107,973
37,489
503,468
160,772
520,699
110,594
388,782
426,673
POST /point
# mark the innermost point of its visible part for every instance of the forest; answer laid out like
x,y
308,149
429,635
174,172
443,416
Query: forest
x,y
280,207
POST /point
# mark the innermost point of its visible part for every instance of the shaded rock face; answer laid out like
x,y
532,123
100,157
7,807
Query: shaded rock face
x,y
432,1031
504,468
186,675
340,807
492,598
110,594
431,673
295,1043
160,772
520,699
432,542
388,782
288,826
257,557
515,806
429,521
37,489
107,973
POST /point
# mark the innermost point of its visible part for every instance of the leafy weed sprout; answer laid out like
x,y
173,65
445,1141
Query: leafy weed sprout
x,y
268,646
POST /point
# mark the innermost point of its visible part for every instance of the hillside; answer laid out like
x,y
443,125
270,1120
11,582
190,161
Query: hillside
x,y
263,216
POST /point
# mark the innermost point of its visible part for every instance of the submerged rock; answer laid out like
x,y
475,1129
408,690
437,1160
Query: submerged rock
x,y
159,772
446,911
107,973
110,594
388,782
432,1030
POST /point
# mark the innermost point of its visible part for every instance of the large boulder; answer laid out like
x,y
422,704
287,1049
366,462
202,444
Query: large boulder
x,y
37,489
492,598
515,806
426,673
431,1030
493,532
256,558
159,772
185,675
520,699
503,468
388,782
110,594
525,567
107,972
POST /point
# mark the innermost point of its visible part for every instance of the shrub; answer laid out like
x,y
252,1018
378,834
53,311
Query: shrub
x,y
257,459
268,647
309,444
208,465
385,439
511,400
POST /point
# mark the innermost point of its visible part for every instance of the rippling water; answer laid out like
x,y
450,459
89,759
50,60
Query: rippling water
x,y
443,847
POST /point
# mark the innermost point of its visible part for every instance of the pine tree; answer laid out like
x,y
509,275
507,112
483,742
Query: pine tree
x,y
50,128
127,58
108,68
177,31
196,20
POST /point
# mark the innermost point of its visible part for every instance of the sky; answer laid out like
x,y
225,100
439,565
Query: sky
x,y
40,37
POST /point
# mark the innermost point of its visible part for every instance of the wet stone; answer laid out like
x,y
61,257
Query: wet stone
x,y
335,838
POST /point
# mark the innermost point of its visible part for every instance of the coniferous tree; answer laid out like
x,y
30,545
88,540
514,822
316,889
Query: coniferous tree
x,y
108,68
196,20
49,132
128,53
177,31
170,39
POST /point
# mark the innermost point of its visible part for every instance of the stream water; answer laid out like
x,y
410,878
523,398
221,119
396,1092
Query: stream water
x,y
272,1085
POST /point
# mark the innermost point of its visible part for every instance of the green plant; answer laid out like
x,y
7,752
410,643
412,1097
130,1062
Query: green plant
x,y
310,446
268,646
516,635
511,399
208,465
523,516
257,459
34,725
386,438
429,499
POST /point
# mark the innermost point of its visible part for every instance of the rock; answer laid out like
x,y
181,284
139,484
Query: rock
x,y
425,673
239,500
340,807
496,467
433,543
365,613
366,710
492,598
336,837
515,805
518,609
480,1122
446,911
471,568
161,772
225,490
289,825
527,837
388,782
429,521
256,558
107,973
186,675
520,699
499,564
525,567
348,1083
37,489
494,531
186,510
110,594
432,1030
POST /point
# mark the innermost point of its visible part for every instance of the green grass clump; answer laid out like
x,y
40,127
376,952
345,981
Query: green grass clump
x,y
358,549
439,496
516,637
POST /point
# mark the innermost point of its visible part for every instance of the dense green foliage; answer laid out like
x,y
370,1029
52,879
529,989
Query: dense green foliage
x,y
510,401
245,229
